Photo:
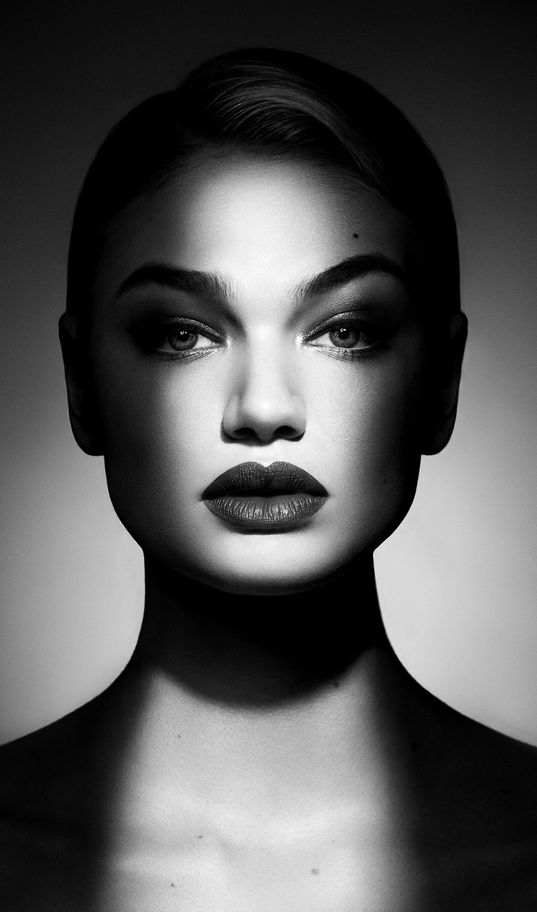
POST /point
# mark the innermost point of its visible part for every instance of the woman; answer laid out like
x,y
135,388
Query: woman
x,y
263,335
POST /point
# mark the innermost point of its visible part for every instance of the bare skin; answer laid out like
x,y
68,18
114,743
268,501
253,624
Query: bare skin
x,y
264,751
197,782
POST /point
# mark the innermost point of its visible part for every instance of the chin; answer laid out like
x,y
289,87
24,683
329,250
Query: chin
x,y
268,566
263,584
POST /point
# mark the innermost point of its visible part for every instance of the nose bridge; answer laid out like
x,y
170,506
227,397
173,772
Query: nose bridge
x,y
265,399
267,372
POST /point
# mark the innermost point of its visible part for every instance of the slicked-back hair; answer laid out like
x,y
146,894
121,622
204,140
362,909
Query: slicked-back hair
x,y
278,104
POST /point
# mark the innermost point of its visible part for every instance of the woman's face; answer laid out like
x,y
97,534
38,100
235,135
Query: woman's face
x,y
259,311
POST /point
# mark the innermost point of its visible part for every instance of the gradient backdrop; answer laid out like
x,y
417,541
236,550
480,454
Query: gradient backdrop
x,y
459,579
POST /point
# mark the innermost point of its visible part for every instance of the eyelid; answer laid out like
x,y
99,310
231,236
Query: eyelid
x,y
149,333
189,322
153,324
359,318
158,303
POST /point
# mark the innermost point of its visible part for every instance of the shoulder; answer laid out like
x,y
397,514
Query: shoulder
x,y
481,774
500,771
54,773
481,834
45,803
38,767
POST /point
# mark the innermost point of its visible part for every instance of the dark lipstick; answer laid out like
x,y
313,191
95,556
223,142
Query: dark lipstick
x,y
273,498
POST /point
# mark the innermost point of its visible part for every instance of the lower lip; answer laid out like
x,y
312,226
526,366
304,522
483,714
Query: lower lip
x,y
266,514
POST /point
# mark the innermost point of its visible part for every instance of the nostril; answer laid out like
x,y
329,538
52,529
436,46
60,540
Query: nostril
x,y
289,432
243,433
256,435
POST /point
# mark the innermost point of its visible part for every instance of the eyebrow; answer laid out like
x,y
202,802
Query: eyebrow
x,y
353,267
203,284
215,286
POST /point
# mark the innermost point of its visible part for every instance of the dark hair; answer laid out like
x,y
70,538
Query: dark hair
x,y
275,103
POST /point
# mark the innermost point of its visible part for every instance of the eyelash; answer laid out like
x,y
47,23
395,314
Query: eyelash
x,y
152,333
374,335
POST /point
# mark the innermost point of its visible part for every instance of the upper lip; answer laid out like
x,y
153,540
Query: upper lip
x,y
252,477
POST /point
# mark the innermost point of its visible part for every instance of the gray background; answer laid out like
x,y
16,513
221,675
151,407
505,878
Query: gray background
x,y
459,579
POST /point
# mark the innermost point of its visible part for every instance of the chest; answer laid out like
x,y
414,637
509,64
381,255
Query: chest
x,y
56,871
335,878
208,872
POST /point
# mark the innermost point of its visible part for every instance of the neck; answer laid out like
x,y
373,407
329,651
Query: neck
x,y
258,650
297,701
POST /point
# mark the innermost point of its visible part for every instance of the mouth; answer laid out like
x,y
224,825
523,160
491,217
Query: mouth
x,y
257,498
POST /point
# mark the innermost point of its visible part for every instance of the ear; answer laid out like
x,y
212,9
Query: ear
x,y
82,406
443,381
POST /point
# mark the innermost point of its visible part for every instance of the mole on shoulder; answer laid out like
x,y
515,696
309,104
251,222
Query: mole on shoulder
x,y
355,234
315,870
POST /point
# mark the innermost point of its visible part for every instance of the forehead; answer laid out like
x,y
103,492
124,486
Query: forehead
x,y
265,225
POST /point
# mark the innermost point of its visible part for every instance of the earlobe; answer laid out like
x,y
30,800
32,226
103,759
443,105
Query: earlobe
x,y
442,396
82,406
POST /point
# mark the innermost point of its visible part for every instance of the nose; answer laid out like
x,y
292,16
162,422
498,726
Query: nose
x,y
264,403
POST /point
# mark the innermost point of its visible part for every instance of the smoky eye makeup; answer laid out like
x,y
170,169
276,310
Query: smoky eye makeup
x,y
361,324
171,338
355,333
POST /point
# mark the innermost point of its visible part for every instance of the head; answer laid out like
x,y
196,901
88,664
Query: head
x,y
263,268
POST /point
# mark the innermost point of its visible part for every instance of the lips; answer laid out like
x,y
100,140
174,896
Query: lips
x,y
273,498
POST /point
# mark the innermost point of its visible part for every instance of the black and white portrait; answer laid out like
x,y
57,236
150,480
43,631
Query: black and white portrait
x,y
269,603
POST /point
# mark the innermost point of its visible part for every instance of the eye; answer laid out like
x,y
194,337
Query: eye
x,y
346,336
177,338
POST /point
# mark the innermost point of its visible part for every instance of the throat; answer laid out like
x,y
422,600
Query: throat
x,y
241,649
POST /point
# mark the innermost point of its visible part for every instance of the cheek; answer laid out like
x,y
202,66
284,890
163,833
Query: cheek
x,y
370,414
160,428
369,434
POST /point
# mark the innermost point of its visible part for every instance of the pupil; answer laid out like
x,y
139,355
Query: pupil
x,y
182,339
344,337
